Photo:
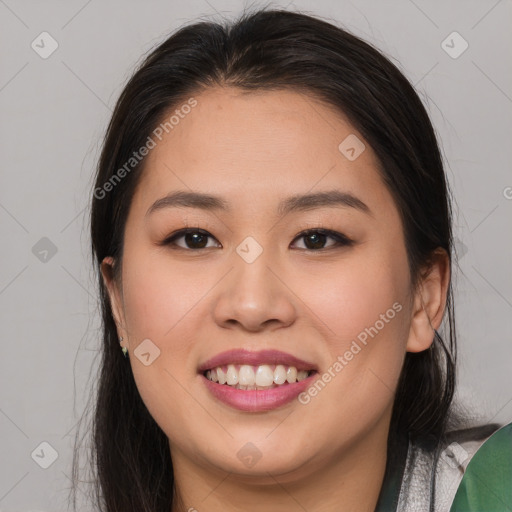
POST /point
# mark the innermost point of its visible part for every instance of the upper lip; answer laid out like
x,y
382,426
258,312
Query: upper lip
x,y
241,356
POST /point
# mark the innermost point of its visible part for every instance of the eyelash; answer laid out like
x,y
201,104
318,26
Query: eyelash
x,y
340,238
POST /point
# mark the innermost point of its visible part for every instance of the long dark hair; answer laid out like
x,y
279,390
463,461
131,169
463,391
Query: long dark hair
x,y
267,50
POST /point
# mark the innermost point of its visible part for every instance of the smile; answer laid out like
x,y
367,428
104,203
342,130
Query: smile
x,y
256,381
248,377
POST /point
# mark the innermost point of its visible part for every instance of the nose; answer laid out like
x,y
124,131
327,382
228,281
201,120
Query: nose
x,y
254,297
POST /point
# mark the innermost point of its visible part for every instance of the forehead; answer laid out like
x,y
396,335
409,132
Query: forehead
x,y
257,147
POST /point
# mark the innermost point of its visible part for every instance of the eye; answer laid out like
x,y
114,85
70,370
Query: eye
x,y
193,238
315,239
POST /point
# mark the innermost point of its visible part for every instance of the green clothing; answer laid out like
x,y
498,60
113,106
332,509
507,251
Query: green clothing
x,y
487,482
470,472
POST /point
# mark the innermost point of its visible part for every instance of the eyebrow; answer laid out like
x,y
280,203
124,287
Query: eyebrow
x,y
330,198
299,202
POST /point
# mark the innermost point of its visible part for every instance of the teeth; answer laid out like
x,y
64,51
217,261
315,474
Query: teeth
x,y
246,375
231,376
264,376
291,374
221,376
301,375
256,377
280,374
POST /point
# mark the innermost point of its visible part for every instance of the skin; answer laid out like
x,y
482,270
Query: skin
x,y
254,149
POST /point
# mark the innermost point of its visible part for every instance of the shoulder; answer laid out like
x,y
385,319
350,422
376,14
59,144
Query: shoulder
x,y
485,464
469,470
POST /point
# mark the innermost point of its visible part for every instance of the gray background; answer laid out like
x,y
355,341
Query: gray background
x,y
53,114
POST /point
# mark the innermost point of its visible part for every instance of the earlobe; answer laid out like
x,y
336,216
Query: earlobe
x,y
107,272
429,302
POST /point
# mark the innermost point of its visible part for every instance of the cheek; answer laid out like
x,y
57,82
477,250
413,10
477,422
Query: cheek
x,y
357,296
162,303
363,312
160,296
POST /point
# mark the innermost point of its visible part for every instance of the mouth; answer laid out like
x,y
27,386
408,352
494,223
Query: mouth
x,y
260,377
256,381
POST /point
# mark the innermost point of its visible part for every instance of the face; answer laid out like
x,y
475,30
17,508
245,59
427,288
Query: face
x,y
297,263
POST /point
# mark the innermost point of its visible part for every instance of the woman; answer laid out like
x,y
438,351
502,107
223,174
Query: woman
x,y
272,227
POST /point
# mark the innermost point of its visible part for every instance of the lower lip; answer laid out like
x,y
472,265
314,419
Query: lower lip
x,y
257,400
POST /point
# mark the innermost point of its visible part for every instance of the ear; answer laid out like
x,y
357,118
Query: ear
x,y
114,293
429,302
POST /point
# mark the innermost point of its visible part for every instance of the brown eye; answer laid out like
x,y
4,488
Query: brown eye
x,y
316,239
192,238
